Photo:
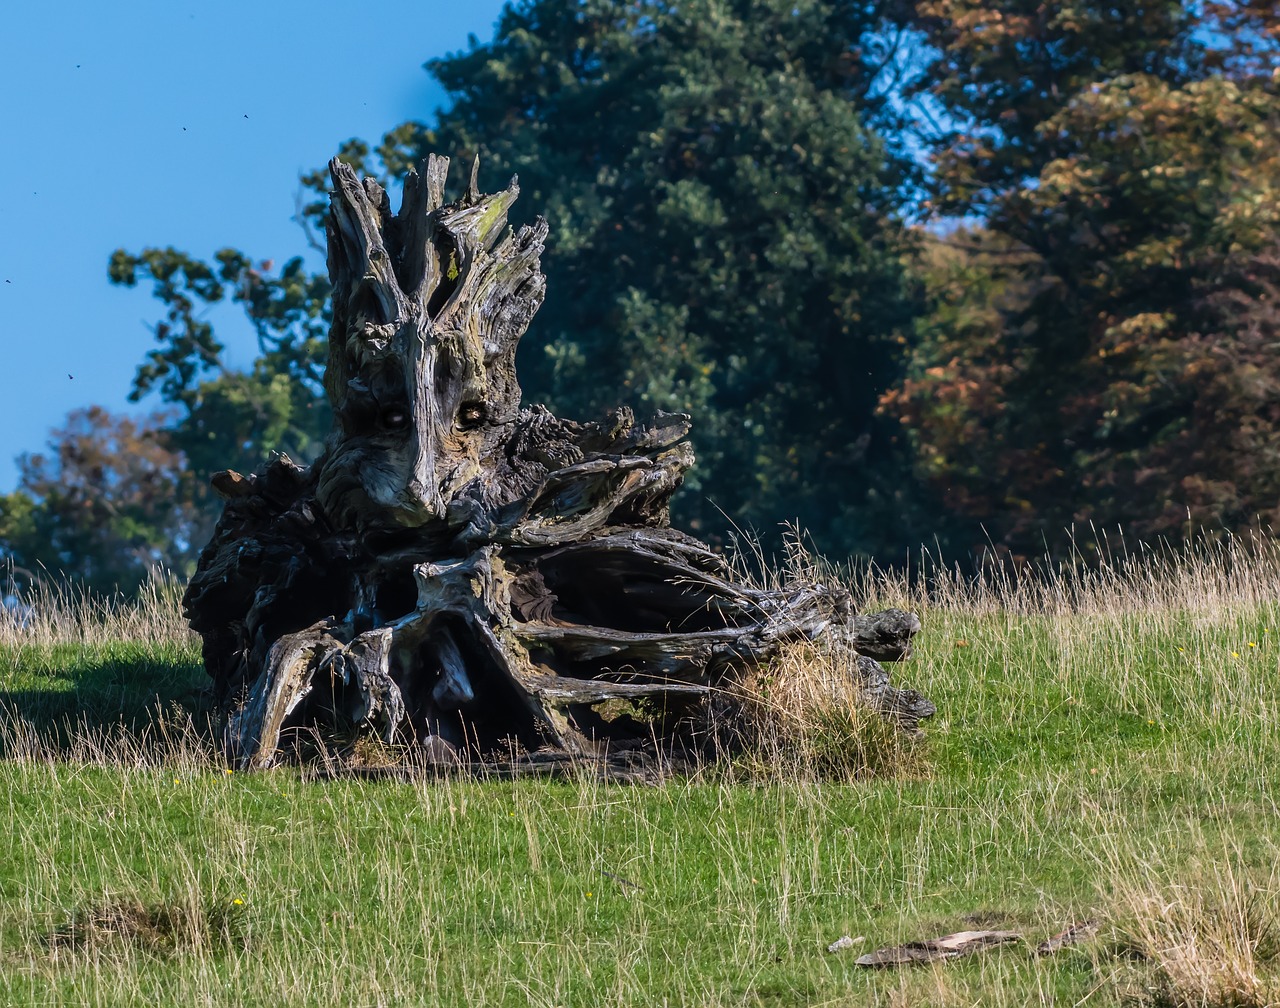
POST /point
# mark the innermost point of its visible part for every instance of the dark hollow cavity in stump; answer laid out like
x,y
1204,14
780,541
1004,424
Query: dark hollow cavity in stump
x,y
458,571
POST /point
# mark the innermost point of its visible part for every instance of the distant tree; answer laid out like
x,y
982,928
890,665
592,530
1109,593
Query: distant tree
x,y
1074,363
226,418
1227,457
951,401
17,530
1001,69
104,506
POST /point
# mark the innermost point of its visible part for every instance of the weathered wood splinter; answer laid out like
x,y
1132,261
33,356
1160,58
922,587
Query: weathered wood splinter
x,y
462,573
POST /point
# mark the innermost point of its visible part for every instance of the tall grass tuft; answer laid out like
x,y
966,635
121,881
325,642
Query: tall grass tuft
x,y
800,717
1207,935
187,922
54,613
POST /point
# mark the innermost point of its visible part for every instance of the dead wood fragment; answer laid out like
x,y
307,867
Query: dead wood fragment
x,y
463,571
885,636
906,707
1073,935
950,946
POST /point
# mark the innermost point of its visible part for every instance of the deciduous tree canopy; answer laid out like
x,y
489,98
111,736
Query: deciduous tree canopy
x,y
1087,356
109,502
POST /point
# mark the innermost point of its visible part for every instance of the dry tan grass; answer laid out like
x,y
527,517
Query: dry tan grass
x,y
67,615
800,717
1199,576
174,739
1206,935
127,924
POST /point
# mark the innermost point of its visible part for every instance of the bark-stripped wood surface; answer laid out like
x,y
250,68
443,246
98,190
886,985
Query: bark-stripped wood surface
x,y
464,574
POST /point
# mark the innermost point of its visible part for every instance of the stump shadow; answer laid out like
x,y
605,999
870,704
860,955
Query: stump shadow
x,y
84,698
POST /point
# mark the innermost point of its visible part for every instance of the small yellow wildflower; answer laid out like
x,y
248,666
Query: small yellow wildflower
x,y
177,780
1235,654
589,895
1252,644
1149,721
228,770
237,902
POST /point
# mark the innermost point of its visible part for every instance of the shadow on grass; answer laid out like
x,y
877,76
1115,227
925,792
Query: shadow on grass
x,y
51,698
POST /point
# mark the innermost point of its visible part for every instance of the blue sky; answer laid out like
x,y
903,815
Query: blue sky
x,y
173,123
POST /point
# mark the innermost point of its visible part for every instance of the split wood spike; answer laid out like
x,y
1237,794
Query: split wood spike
x,y
460,573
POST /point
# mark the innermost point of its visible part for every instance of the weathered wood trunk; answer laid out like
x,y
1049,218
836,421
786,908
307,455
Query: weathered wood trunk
x,y
461,572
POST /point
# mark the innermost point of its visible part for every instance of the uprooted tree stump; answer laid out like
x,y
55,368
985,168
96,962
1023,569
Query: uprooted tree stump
x,y
462,573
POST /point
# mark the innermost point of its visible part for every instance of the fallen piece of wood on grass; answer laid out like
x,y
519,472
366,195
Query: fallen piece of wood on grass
x,y
1073,935
950,946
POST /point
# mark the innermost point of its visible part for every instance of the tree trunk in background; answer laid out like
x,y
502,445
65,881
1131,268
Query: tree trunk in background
x,y
460,572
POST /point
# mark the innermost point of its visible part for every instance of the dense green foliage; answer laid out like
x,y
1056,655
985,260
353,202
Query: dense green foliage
x,y
1055,304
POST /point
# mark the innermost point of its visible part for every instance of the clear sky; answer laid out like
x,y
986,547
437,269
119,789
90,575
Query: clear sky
x,y
166,122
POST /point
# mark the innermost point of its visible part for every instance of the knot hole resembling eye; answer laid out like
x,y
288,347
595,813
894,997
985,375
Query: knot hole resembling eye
x,y
471,415
395,418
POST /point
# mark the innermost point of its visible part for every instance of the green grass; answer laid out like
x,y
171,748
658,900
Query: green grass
x,y
1088,750
67,684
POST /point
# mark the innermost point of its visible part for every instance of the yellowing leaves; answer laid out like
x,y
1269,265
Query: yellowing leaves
x,y
1144,324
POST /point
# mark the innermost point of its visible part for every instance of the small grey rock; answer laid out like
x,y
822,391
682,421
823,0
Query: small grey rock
x,y
435,751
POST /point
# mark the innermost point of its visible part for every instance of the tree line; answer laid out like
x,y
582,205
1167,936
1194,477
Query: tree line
x,y
948,271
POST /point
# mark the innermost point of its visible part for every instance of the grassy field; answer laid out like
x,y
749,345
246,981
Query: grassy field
x,y
1104,749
